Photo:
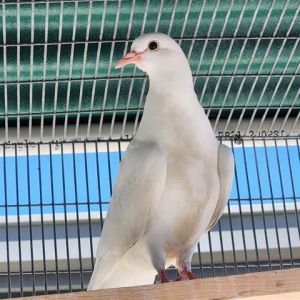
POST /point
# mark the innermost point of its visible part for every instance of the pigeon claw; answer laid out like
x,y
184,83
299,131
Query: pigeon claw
x,y
163,276
188,274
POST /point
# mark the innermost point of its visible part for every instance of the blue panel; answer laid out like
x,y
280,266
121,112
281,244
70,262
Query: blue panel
x,y
265,183
295,168
241,180
47,196
255,182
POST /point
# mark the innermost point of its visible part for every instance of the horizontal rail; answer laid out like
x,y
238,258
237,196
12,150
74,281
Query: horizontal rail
x,y
238,286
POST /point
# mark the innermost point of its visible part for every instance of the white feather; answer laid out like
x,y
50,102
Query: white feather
x,y
173,182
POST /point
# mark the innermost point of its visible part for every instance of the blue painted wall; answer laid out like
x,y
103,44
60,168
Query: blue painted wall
x,y
253,181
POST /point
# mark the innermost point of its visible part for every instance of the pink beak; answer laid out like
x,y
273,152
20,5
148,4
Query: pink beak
x,y
132,57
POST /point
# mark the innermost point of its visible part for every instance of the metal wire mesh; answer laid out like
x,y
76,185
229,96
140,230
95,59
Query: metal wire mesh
x,y
55,197
58,79
66,117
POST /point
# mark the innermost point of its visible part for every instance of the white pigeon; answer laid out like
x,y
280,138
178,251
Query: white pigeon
x,y
173,181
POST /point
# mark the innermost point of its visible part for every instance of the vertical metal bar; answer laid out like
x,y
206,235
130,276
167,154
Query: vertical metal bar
x,y
18,71
131,86
119,151
120,80
289,112
282,103
206,42
232,238
225,64
231,234
99,185
159,15
196,30
186,17
5,71
261,203
277,87
54,216
281,17
200,260
70,70
251,207
65,209
99,48
172,17
77,217
238,62
30,220
273,203
260,68
136,121
214,58
292,53
211,255
189,54
132,80
298,148
279,81
109,167
9,294
240,212
88,203
57,69
293,186
268,79
44,71
31,70
291,131
109,68
83,67
222,247
42,225
145,80
283,200
283,100
18,221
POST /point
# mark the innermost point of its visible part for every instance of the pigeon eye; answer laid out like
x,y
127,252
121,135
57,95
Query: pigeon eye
x,y
153,46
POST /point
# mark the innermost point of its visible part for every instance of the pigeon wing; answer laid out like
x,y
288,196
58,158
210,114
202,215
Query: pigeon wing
x,y
226,172
136,195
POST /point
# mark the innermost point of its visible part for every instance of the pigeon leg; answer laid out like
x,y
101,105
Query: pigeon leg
x,y
187,274
158,261
183,264
163,276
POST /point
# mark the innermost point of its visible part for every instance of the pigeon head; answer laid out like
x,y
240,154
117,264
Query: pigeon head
x,y
156,53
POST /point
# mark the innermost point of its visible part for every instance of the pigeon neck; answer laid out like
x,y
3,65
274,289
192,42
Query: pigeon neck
x,y
170,80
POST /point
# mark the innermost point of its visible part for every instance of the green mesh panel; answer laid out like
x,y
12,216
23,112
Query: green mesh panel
x,y
67,76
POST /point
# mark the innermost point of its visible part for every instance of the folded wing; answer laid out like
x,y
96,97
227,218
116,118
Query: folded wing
x,y
136,195
226,172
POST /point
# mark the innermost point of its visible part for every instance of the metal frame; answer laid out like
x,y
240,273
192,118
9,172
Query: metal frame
x,y
253,234
256,234
96,114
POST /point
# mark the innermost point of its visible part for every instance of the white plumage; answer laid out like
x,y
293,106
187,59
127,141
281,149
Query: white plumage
x,y
173,181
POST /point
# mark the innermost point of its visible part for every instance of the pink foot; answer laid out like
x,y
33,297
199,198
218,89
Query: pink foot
x,y
188,274
163,276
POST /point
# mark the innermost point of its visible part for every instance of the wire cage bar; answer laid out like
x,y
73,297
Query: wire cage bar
x,y
50,220
67,116
58,65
